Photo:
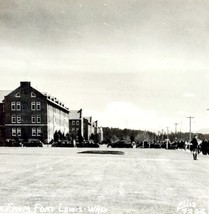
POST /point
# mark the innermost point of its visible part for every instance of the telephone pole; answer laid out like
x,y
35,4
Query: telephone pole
x,y
167,139
190,127
175,127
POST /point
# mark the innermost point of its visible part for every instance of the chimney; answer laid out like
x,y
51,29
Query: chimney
x,y
25,84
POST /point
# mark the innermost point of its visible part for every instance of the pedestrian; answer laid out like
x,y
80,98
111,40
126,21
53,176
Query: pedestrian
x,y
194,147
204,147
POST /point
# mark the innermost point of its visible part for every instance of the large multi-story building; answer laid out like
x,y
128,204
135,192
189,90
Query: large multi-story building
x,y
2,132
28,114
83,126
76,123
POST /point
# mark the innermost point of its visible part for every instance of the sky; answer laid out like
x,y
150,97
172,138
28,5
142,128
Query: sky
x,y
139,64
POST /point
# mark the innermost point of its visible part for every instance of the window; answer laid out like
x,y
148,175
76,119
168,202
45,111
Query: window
x,y
33,119
18,106
18,119
38,131
73,122
73,129
33,94
13,106
77,123
33,131
13,119
38,119
13,132
33,106
38,106
18,131
18,94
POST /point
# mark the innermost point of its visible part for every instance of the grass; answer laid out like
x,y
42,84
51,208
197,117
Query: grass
x,y
69,180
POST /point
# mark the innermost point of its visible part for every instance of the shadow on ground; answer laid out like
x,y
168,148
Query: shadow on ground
x,y
102,152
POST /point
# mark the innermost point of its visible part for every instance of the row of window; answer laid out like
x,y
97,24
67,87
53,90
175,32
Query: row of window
x,y
16,106
18,132
18,119
75,122
73,130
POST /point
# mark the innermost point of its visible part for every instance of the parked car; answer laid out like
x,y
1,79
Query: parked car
x,y
120,144
33,143
88,144
11,143
63,143
142,144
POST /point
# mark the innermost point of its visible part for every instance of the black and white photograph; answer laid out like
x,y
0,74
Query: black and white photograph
x,y
104,107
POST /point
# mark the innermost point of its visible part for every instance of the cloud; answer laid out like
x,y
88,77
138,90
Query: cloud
x,y
128,115
189,94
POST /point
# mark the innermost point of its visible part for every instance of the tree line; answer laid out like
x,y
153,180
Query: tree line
x,y
113,134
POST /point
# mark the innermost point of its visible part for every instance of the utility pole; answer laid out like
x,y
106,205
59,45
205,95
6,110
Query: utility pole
x,y
175,127
190,127
167,139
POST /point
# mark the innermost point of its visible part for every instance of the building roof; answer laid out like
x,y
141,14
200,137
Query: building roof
x,y
4,93
51,99
89,119
74,115
55,101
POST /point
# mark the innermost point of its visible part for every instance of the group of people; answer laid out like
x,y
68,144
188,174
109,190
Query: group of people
x,y
195,147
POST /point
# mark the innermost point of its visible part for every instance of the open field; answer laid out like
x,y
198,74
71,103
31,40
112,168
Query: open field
x,y
62,180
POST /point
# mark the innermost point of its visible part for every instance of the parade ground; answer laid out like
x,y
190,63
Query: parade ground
x,y
103,180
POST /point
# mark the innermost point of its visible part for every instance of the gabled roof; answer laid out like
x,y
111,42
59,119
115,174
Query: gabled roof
x,y
89,119
4,93
74,115
26,85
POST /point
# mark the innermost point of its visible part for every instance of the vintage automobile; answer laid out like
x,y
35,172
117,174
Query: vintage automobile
x,y
89,144
120,144
63,143
33,143
11,143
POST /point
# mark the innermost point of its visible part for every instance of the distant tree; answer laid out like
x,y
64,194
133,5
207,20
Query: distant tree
x,y
80,138
17,139
56,136
114,138
41,138
132,138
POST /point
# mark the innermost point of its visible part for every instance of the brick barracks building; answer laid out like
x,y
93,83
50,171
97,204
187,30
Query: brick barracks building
x,y
26,113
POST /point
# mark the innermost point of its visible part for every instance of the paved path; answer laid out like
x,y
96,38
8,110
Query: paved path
x,y
61,180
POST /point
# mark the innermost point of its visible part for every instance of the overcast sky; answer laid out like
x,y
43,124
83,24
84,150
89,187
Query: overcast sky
x,y
139,64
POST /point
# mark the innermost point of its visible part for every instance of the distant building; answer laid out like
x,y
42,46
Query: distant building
x,y
87,127
2,131
95,127
28,114
76,123
100,133
81,126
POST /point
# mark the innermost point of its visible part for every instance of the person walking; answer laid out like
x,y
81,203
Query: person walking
x,y
204,147
194,147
